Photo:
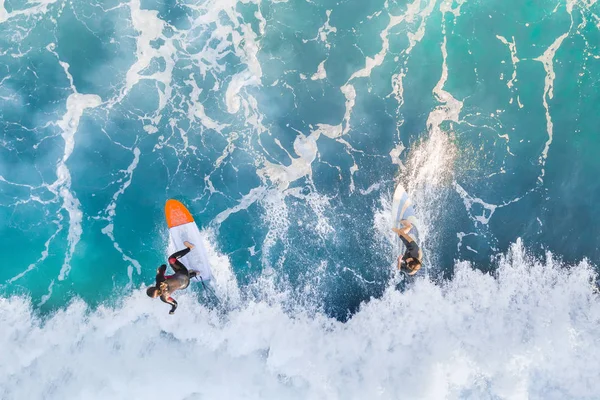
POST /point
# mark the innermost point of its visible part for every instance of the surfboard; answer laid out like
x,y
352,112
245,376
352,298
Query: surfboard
x,y
182,227
402,208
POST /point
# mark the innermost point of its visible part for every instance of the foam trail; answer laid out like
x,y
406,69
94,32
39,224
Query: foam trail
x,y
469,200
301,166
411,11
225,282
47,296
249,77
414,39
326,30
40,7
512,47
110,212
246,201
306,149
76,105
196,108
371,63
428,172
150,28
529,333
276,216
487,208
547,60
321,73
44,255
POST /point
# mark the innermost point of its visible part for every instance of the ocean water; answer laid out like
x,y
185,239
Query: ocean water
x,y
284,126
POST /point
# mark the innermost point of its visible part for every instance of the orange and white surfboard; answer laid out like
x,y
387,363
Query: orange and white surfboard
x,y
182,227
177,214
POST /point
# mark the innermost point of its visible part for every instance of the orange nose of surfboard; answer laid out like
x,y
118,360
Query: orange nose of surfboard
x,y
177,214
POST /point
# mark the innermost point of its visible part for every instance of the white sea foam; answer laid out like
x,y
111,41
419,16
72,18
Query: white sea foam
x,y
547,59
36,7
414,9
321,73
276,217
324,32
196,108
245,202
301,166
319,205
306,149
512,47
44,255
111,211
429,168
225,283
248,53
76,105
531,332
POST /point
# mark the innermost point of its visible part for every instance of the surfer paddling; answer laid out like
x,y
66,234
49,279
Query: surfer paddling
x,y
167,284
410,262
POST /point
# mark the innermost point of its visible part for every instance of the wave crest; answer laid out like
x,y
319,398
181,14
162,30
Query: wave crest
x,y
529,331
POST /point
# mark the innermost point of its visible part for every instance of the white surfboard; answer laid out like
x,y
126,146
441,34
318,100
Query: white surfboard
x,y
182,227
402,208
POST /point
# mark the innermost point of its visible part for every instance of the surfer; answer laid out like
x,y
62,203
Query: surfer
x,y
167,284
410,262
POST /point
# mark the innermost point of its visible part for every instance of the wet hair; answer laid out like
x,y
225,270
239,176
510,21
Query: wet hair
x,y
152,291
414,265
409,267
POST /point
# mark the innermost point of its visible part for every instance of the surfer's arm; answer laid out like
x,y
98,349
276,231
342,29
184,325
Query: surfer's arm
x,y
160,275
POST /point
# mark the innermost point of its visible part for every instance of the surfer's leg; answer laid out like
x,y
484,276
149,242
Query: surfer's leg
x,y
176,264
406,225
179,254
404,240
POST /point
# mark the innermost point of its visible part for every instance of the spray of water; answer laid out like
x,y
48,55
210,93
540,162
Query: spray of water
x,y
529,332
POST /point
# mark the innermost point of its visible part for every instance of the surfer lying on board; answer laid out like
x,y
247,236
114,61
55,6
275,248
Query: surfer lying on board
x,y
166,285
410,262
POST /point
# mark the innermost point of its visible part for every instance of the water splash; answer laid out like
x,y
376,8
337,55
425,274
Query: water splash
x,y
527,332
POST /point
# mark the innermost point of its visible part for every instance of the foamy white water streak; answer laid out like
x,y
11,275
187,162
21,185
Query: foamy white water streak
x,y
529,333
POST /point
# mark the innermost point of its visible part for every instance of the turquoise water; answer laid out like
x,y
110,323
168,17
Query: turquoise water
x,y
283,126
